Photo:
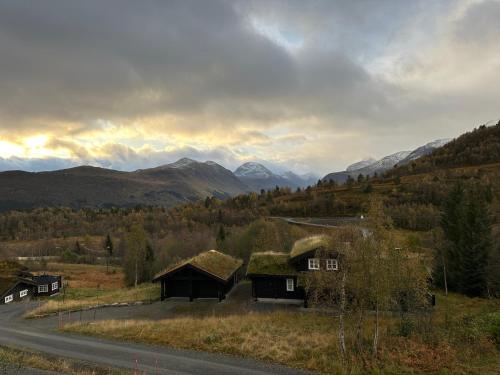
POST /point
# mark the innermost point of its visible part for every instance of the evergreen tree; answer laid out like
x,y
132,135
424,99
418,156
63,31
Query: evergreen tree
x,y
467,228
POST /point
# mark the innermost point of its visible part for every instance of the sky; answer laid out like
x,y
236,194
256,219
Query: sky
x,y
310,86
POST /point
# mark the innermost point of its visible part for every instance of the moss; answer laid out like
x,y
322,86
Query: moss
x,y
270,263
309,243
212,261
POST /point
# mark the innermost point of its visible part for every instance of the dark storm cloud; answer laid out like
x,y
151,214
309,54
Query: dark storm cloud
x,y
82,60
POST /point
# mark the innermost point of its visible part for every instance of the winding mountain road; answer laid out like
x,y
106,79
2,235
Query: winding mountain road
x,y
17,332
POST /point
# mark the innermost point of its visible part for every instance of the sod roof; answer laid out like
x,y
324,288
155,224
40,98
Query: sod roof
x,y
270,263
308,244
10,268
213,262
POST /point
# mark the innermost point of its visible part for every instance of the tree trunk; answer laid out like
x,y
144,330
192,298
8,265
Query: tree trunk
x,y
375,335
341,316
444,275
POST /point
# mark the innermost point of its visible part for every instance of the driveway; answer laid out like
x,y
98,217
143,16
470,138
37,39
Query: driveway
x,y
40,335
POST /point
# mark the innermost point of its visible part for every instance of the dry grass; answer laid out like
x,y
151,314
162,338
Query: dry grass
x,y
82,299
310,341
87,276
14,361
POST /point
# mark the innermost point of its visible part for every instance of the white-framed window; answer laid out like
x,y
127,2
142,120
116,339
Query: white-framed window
x,y
9,298
43,288
314,264
289,285
55,286
332,264
23,293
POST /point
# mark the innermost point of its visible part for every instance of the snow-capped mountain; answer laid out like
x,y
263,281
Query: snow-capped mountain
x,y
258,177
384,164
424,150
254,170
361,164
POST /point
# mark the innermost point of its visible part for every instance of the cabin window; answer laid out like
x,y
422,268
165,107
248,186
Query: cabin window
x,y
289,285
332,264
43,288
9,298
23,293
55,285
314,264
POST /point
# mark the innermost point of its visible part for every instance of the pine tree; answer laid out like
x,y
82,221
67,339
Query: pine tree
x,y
467,227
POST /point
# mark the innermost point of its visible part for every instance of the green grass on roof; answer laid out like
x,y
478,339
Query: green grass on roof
x,y
212,261
10,268
270,263
309,243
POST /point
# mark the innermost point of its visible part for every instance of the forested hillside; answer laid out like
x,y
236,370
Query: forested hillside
x,y
480,146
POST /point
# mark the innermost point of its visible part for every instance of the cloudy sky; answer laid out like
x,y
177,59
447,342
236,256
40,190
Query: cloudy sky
x,y
308,85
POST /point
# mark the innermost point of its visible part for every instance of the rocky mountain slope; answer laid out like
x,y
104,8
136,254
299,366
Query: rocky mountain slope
x,y
370,167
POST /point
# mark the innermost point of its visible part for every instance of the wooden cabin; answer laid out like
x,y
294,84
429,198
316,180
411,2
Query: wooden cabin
x,y
15,289
15,282
211,274
47,285
277,275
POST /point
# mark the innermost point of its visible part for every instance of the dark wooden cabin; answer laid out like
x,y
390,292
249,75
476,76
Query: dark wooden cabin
x,y
47,285
15,289
273,276
15,282
278,275
211,274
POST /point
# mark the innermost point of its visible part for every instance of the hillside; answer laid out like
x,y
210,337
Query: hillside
x,y
372,167
480,146
184,181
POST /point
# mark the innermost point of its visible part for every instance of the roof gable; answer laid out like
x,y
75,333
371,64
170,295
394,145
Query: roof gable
x,y
212,262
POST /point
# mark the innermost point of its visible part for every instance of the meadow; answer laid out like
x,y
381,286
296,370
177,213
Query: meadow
x,y
462,336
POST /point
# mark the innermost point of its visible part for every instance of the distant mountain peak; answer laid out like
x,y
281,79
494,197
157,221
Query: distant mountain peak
x,y
253,169
182,163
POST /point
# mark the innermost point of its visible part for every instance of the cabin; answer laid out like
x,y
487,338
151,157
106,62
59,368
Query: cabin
x,y
15,282
47,285
210,274
277,276
14,289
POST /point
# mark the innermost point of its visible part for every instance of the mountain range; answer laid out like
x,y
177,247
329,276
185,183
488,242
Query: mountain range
x,y
372,166
256,176
186,180
183,181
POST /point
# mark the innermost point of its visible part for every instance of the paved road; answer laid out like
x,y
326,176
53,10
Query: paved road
x,y
14,331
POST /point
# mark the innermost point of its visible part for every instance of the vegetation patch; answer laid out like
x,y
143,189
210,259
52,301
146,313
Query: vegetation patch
x,y
436,342
14,361
80,299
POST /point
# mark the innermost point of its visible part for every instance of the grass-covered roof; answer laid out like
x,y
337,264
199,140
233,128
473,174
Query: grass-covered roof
x,y
213,262
308,244
270,263
10,268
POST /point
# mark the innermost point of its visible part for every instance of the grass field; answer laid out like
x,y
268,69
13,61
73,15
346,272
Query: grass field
x,y
87,275
14,361
92,285
458,338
